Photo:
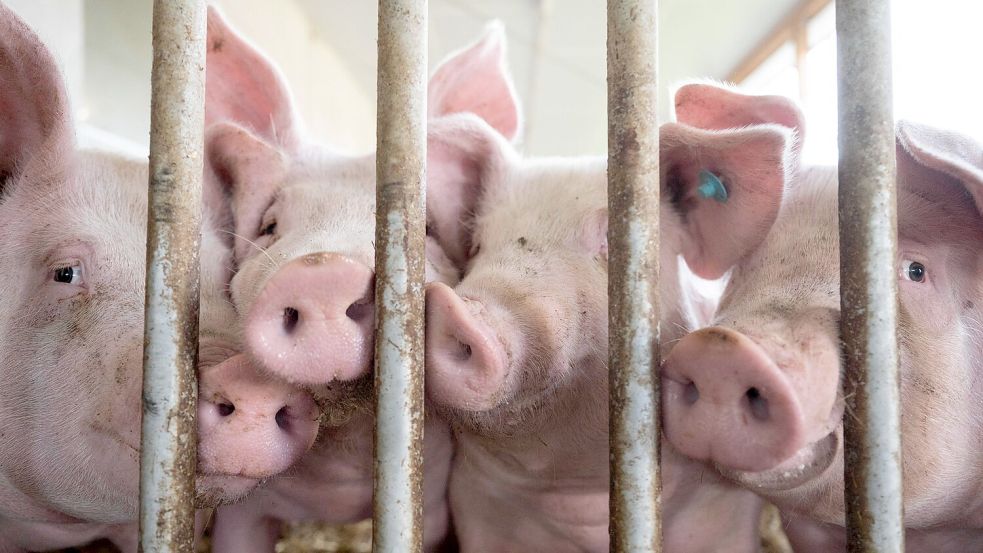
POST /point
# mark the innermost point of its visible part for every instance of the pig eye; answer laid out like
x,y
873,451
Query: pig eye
x,y
914,271
268,229
71,274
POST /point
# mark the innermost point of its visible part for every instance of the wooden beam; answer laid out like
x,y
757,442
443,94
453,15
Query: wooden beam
x,y
782,33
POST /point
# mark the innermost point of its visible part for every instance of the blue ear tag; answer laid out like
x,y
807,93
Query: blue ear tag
x,y
711,187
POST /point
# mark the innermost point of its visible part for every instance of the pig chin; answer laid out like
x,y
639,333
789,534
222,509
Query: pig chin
x,y
212,490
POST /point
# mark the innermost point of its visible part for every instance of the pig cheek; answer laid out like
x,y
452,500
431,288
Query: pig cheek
x,y
933,397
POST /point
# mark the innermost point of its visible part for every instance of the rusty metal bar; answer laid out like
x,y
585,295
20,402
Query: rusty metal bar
x,y
868,278
633,287
401,143
169,435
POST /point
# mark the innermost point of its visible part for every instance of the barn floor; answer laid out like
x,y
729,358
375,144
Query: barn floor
x,y
357,538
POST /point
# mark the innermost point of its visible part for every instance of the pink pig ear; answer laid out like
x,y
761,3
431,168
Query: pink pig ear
x,y
945,153
36,134
476,80
464,156
251,170
714,107
244,86
726,187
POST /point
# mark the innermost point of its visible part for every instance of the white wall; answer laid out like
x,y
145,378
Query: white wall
x,y
59,24
118,63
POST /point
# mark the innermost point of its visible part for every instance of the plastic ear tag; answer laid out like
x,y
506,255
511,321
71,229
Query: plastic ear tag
x,y
711,187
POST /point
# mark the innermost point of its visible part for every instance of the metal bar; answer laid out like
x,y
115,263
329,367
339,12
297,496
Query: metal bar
x,y
169,438
633,288
868,278
401,139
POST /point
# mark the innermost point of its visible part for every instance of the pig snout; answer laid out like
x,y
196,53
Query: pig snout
x,y
251,425
726,401
466,361
313,321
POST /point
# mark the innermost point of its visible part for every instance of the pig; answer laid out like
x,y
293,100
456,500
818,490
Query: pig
x,y
303,226
758,395
517,352
73,256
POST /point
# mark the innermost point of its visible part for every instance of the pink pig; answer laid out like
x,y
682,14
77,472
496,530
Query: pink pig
x,y
303,220
517,352
72,254
758,395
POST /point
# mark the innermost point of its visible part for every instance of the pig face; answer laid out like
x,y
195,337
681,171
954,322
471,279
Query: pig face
x,y
304,216
768,374
527,325
72,255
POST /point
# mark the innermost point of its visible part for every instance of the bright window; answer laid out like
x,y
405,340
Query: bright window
x,y
938,71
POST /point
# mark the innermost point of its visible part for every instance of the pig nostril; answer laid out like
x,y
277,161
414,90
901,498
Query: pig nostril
x,y
691,394
463,351
290,319
359,310
226,409
283,418
758,404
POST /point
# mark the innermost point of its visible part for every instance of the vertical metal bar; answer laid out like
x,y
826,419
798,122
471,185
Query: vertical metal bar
x,y
401,142
169,438
868,278
633,288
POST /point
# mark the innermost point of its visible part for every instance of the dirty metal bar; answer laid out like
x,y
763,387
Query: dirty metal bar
x,y
168,443
400,227
868,278
633,314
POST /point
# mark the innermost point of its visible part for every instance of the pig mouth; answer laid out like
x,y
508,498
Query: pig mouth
x,y
805,465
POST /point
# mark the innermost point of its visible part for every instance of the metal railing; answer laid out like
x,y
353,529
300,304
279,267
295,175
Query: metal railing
x,y
868,278
170,387
867,238
633,274
401,161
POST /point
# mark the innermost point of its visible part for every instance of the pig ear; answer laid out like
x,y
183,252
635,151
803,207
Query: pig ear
x,y
714,107
475,80
464,156
35,127
251,170
726,187
243,86
943,152
594,233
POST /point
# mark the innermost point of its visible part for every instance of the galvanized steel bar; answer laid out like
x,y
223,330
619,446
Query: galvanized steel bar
x,y
169,439
401,142
633,288
868,278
